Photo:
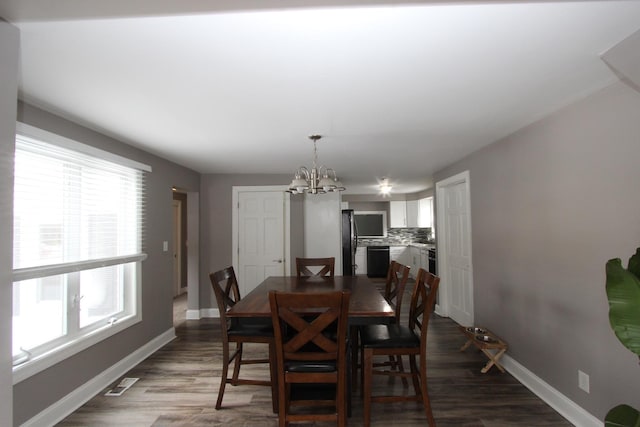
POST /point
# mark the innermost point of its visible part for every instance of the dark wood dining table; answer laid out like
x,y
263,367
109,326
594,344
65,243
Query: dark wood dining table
x,y
366,305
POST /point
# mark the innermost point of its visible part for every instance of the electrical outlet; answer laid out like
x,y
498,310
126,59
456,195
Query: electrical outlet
x,y
165,246
583,381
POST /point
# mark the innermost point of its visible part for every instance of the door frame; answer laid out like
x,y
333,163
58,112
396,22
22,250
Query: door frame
x,y
178,289
443,304
235,214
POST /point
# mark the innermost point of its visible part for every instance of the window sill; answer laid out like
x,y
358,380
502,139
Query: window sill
x,y
46,360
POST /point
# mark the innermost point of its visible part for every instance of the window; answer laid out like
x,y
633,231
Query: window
x,y
77,247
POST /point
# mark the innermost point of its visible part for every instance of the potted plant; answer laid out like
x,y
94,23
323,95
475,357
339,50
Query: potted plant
x,y
623,293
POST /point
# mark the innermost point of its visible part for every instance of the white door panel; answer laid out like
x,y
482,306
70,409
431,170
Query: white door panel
x,y
454,249
261,247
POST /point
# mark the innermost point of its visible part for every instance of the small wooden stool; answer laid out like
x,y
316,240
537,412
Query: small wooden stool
x,y
485,340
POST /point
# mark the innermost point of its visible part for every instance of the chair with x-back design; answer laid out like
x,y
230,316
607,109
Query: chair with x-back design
x,y
396,282
325,266
311,349
396,339
240,331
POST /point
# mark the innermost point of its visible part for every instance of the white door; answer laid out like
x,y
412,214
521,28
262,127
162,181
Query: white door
x,y
261,237
454,249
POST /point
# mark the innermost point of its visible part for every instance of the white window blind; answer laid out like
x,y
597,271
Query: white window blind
x,y
78,228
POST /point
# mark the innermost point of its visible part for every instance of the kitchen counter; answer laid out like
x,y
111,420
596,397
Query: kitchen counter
x,y
423,245
367,242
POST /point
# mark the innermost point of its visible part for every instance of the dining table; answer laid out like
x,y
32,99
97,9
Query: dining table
x,y
366,304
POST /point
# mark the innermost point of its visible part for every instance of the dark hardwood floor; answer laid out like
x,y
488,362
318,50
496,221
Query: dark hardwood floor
x,y
178,386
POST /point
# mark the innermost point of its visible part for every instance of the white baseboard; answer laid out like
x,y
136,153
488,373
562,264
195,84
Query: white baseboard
x,y
193,315
209,312
85,392
558,401
203,313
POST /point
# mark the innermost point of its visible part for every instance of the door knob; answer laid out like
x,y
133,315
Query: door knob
x,y
279,261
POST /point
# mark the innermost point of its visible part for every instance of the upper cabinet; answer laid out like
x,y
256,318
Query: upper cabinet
x,y
411,213
398,211
425,212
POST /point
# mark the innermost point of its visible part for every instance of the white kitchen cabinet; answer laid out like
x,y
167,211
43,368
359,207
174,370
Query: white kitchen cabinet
x,y
413,212
361,260
425,212
424,259
414,260
398,254
398,211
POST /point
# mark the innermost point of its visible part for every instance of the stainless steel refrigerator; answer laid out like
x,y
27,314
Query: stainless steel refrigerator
x,y
349,243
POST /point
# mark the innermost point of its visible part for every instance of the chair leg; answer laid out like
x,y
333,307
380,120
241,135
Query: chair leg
x,y
400,366
225,372
283,404
367,369
415,374
236,365
273,370
341,400
354,357
425,393
362,371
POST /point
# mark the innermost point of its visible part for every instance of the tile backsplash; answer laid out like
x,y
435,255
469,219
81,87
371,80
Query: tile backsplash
x,y
403,236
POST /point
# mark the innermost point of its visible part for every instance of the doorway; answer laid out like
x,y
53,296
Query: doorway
x,y
454,248
179,247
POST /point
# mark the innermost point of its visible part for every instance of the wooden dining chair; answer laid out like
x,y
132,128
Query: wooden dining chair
x,y
240,331
395,285
326,266
396,339
310,332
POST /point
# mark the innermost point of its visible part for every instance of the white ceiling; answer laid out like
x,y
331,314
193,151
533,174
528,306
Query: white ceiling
x,y
398,91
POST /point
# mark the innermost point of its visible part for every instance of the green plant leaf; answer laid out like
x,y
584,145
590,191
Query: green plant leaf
x,y
623,292
622,416
634,263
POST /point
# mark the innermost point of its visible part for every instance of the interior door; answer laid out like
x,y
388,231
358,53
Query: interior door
x,y
261,237
454,248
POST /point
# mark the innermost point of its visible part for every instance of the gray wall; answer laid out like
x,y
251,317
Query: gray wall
x,y
215,221
9,41
43,389
550,205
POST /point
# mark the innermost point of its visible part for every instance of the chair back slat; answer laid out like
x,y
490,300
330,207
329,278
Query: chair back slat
x,y
423,301
310,320
397,277
226,289
325,266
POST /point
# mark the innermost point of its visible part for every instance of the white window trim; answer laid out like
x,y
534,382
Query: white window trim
x,y
73,347
72,267
59,354
61,141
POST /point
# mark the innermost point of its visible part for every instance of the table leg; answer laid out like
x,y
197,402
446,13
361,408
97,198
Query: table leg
x,y
353,341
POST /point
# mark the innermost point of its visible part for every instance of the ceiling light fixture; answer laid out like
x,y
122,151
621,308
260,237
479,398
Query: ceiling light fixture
x,y
317,180
385,187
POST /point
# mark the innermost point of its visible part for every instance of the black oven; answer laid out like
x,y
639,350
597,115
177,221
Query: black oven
x,y
377,261
432,261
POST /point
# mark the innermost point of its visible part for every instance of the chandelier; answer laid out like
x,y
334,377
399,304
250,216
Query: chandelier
x,y
317,180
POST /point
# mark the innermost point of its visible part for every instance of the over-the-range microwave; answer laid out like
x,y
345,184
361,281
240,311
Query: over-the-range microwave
x,y
371,224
